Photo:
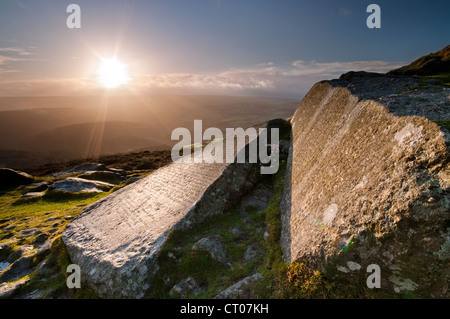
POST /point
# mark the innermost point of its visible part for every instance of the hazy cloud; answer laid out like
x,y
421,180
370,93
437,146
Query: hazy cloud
x,y
18,51
270,80
298,63
20,4
266,64
345,13
10,55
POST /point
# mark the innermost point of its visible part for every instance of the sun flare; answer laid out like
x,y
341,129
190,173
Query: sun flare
x,y
112,73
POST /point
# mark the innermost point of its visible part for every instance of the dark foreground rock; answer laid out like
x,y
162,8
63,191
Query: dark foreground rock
x,y
368,182
10,178
116,240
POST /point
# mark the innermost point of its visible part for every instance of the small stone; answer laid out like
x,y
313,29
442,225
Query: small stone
x,y
252,253
240,289
171,255
353,266
213,246
33,194
342,269
184,286
238,232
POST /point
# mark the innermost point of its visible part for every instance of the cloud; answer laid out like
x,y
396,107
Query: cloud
x,y
271,80
345,13
298,63
9,56
267,79
265,64
20,4
18,51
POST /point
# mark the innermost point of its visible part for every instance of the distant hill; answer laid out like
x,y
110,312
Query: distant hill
x,y
431,64
40,130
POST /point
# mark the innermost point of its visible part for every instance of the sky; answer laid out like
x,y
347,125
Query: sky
x,y
232,47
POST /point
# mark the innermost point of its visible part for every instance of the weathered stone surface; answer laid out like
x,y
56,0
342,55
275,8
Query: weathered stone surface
x,y
23,250
18,269
8,290
252,253
183,287
12,178
38,187
103,176
80,168
115,241
240,289
368,182
33,194
213,246
77,185
240,234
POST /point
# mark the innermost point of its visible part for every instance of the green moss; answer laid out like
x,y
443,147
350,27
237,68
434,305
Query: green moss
x,y
443,123
55,284
177,261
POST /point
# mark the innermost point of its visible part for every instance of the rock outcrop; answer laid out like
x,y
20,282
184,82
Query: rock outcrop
x,y
79,185
431,64
90,168
13,178
368,182
116,240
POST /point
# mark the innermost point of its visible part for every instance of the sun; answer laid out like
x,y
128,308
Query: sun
x,y
112,73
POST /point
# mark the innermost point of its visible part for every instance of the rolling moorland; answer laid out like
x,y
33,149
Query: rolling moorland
x,y
40,130
34,259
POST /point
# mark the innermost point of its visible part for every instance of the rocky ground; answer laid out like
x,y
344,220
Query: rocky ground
x,y
220,258
231,256
35,209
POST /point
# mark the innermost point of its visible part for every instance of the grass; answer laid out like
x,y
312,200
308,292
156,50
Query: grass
x,y
443,77
178,261
297,280
444,123
48,216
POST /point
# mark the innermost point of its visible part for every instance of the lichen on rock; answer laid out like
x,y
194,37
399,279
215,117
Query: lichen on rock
x,y
369,163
